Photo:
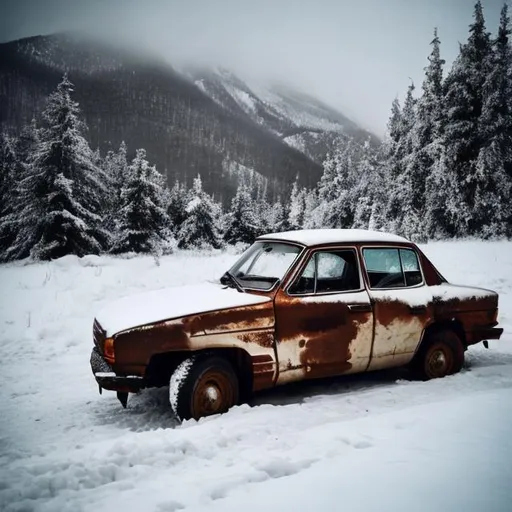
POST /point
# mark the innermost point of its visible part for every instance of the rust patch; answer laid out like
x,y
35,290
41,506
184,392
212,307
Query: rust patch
x,y
316,339
328,354
263,368
258,316
388,312
136,346
263,338
297,318
262,381
262,358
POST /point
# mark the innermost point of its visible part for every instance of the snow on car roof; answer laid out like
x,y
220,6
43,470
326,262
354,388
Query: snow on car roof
x,y
325,236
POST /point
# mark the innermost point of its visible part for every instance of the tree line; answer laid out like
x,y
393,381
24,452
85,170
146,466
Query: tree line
x,y
443,171
59,197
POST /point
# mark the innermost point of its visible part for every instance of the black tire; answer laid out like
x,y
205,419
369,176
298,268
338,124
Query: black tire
x,y
440,354
203,385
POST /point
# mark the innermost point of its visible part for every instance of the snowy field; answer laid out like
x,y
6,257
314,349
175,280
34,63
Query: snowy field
x,y
374,442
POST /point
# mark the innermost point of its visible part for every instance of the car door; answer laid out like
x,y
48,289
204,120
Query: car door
x,y
402,303
324,320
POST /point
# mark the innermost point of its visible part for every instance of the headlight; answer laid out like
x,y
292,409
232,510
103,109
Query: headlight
x,y
108,350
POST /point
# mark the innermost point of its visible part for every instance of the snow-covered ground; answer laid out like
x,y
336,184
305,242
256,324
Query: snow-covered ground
x,y
366,442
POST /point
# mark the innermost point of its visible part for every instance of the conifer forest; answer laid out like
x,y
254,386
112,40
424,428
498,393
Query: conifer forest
x,y
443,171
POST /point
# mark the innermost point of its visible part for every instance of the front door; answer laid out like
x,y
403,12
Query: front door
x,y
402,304
324,319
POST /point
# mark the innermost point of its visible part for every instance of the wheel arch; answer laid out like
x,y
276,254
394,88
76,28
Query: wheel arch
x,y
454,325
162,365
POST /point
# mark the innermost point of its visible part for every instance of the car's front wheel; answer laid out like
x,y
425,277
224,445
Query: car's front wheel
x,y
202,386
441,354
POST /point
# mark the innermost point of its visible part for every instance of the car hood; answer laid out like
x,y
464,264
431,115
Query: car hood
x,y
168,303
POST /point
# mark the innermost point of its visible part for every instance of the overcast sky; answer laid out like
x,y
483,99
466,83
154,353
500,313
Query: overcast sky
x,y
355,54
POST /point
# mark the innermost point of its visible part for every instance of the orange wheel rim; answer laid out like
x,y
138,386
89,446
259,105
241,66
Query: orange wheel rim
x,y
213,394
439,361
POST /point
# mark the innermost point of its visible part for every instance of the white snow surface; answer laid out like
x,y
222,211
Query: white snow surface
x,y
369,442
171,302
310,237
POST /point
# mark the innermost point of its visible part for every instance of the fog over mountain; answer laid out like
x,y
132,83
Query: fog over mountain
x,y
356,56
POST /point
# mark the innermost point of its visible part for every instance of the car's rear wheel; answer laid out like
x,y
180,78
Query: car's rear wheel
x,y
202,386
441,354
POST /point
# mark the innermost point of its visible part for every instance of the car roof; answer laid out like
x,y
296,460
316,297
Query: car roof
x,y
309,237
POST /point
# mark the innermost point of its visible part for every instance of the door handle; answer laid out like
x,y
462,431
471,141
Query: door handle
x,y
417,310
360,308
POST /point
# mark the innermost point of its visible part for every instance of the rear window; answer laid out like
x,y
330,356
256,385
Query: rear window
x,y
392,267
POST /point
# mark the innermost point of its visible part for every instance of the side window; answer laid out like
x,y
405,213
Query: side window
x,y
392,268
411,267
328,271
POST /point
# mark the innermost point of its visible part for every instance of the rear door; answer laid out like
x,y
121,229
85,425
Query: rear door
x,y
324,320
402,303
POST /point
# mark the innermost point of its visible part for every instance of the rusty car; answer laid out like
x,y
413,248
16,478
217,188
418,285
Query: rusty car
x,y
296,305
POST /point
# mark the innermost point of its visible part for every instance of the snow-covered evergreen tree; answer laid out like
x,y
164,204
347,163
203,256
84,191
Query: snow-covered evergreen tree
x,y
297,206
177,209
8,178
336,187
242,223
22,153
428,193
399,163
274,220
201,229
115,165
494,181
61,196
143,225
464,133
368,193
311,204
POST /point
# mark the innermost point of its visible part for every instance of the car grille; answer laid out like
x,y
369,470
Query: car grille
x,y
98,335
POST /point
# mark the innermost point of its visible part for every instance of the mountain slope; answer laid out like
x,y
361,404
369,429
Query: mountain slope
x,y
148,104
298,119
207,122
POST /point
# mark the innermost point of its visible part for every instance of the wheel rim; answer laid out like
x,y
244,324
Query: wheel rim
x,y
439,361
213,394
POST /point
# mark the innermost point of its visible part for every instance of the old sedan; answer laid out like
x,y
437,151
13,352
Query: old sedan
x,y
296,305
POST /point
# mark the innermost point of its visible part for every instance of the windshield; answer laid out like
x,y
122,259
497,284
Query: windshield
x,y
263,264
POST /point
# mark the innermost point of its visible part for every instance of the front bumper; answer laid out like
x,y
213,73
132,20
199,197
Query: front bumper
x,y
107,378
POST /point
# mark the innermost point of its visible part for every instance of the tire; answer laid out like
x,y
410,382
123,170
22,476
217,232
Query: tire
x,y
202,386
441,354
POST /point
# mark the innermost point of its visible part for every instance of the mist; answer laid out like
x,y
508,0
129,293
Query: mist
x,y
354,55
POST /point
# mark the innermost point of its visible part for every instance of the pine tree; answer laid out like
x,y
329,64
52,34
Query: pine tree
x,y
144,224
336,209
428,199
276,217
201,229
400,160
177,210
63,191
494,162
242,223
297,206
367,198
115,166
311,205
464,133
8,176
